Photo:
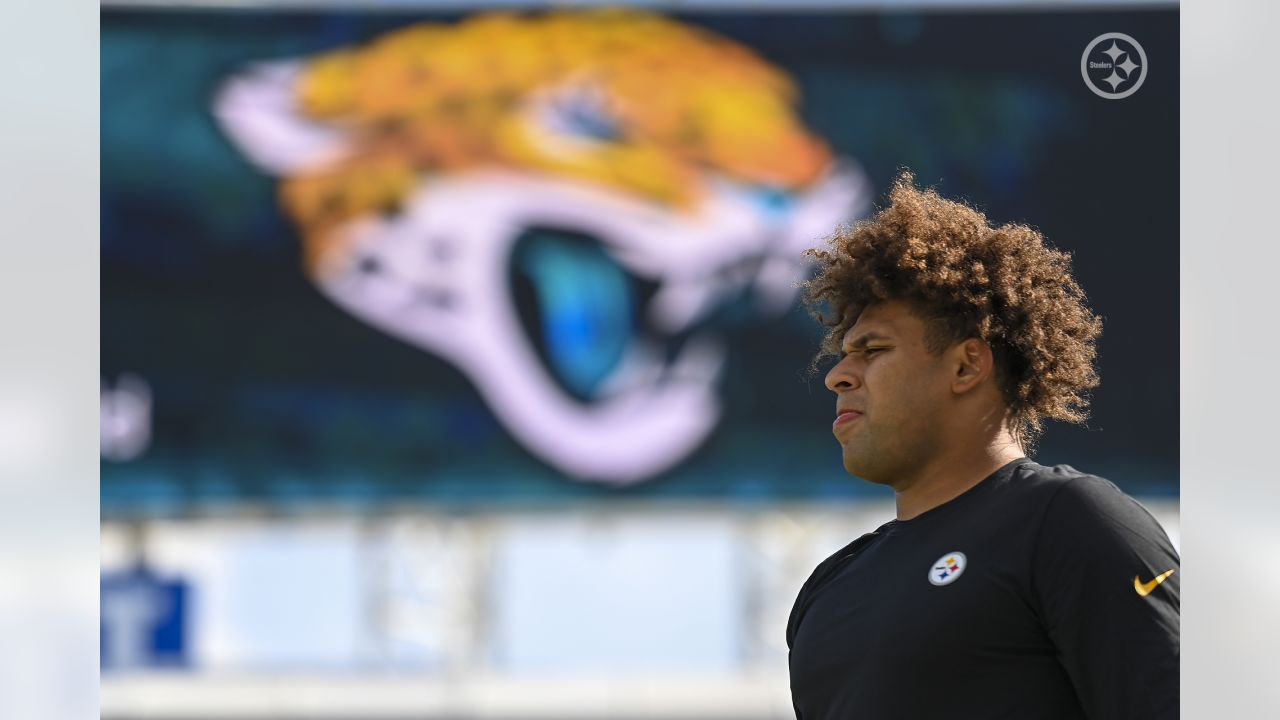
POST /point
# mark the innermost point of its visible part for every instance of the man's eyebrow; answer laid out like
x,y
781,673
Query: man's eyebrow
x,y
862,340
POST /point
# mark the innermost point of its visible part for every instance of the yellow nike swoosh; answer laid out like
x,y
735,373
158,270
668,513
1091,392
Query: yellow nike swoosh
x,y
1145,589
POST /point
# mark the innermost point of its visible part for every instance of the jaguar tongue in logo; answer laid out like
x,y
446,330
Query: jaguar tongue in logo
x,y
948,568
495,191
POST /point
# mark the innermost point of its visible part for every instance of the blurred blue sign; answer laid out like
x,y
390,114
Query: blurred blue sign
x,y
144,621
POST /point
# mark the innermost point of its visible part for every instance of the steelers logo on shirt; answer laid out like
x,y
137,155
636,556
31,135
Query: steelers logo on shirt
x,y
947,568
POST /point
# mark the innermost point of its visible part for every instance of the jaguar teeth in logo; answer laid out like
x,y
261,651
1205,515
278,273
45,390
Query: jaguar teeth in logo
x,y
557,204
948,568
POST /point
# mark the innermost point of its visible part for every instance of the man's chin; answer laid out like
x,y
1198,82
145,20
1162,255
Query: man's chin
x,y
856,464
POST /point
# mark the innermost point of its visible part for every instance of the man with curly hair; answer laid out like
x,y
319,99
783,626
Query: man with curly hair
x,y
1003,588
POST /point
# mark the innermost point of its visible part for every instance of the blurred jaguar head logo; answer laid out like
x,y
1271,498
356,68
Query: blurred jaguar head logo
x,y
562,205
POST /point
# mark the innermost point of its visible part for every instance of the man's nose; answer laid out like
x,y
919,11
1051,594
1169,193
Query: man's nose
x,y
841,377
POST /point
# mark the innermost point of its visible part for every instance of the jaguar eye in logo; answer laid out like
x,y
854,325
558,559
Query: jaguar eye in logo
x,y
948,568
1114,66
563,205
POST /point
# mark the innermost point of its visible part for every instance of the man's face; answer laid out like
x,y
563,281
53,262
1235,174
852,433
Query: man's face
x,y
895,387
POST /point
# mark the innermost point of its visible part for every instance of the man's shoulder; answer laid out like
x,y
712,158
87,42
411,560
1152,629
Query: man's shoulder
x,y
829,565
1062,484
1078,505
822,573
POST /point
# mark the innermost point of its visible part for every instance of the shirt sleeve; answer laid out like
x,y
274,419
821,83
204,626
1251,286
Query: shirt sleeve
x,y
1106,580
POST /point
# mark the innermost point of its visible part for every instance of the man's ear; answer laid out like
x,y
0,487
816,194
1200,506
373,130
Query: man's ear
x,y
972,362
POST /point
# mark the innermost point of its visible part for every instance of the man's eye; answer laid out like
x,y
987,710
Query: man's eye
x,y
868,351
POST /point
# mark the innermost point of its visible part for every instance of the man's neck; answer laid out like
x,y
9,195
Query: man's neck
x,y
946,478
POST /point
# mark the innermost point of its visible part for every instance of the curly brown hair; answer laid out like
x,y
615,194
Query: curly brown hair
x,y
966,279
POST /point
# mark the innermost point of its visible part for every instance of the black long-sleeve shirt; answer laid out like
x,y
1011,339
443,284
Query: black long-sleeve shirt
x,y
1041,592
